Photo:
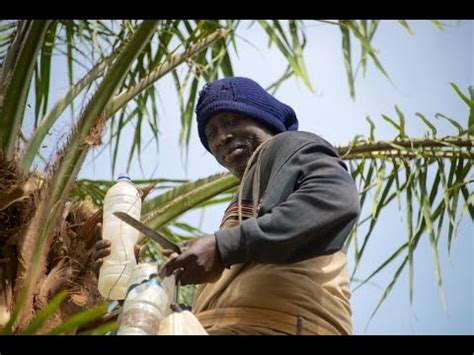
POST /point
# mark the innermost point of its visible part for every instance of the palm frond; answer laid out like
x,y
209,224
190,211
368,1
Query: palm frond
x,y
45,313
95,190
12,36
292,51
405,25
15,90
43,72
346,50
7,35
80,319
424,161
62,174
168,206
49,119
146,83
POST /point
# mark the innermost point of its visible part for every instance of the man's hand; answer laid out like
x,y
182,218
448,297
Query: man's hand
x,y
200,261
103,249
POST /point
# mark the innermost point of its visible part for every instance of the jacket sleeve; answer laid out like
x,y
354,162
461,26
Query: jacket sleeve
x,y
315,219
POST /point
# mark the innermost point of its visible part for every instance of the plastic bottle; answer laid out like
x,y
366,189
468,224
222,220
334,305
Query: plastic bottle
x,y
117,268
146,305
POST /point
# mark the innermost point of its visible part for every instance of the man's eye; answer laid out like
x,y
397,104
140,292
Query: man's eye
x,y
210,134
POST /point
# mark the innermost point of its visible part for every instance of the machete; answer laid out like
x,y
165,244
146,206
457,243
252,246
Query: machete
x,y
142,228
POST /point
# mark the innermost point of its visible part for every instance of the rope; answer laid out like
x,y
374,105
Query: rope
x,y
256,180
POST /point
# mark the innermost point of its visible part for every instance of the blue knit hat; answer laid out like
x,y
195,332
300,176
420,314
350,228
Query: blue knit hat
x,y
244,96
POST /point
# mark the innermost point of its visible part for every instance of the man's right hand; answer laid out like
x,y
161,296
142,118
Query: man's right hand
x,y
103,249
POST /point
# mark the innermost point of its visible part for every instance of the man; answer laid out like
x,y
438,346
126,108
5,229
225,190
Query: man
x,y
276,265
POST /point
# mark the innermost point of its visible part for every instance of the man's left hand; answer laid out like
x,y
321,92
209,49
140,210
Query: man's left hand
x,y
200,261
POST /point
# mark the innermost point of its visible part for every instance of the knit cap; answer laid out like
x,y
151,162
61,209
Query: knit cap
x,y
246,97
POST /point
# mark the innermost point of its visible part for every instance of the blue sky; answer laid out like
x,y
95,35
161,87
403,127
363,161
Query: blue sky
x,y
421,68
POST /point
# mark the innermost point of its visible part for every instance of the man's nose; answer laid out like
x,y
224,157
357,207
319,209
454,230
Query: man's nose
x,y
224,138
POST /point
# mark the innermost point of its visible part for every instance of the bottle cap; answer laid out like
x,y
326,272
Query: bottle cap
x,y
123,176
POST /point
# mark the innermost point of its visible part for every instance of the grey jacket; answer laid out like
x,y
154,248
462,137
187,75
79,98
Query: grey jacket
x,y
309,204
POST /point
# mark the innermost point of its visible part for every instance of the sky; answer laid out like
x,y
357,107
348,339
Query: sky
x,y
421,68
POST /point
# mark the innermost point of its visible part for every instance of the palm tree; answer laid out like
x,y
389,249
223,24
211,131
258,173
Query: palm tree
x,y
47,225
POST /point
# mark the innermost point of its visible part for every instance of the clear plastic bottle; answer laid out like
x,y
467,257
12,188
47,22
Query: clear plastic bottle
x,y
117,268
146,305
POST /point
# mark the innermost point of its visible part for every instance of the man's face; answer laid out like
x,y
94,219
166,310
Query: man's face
x,y
232,139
